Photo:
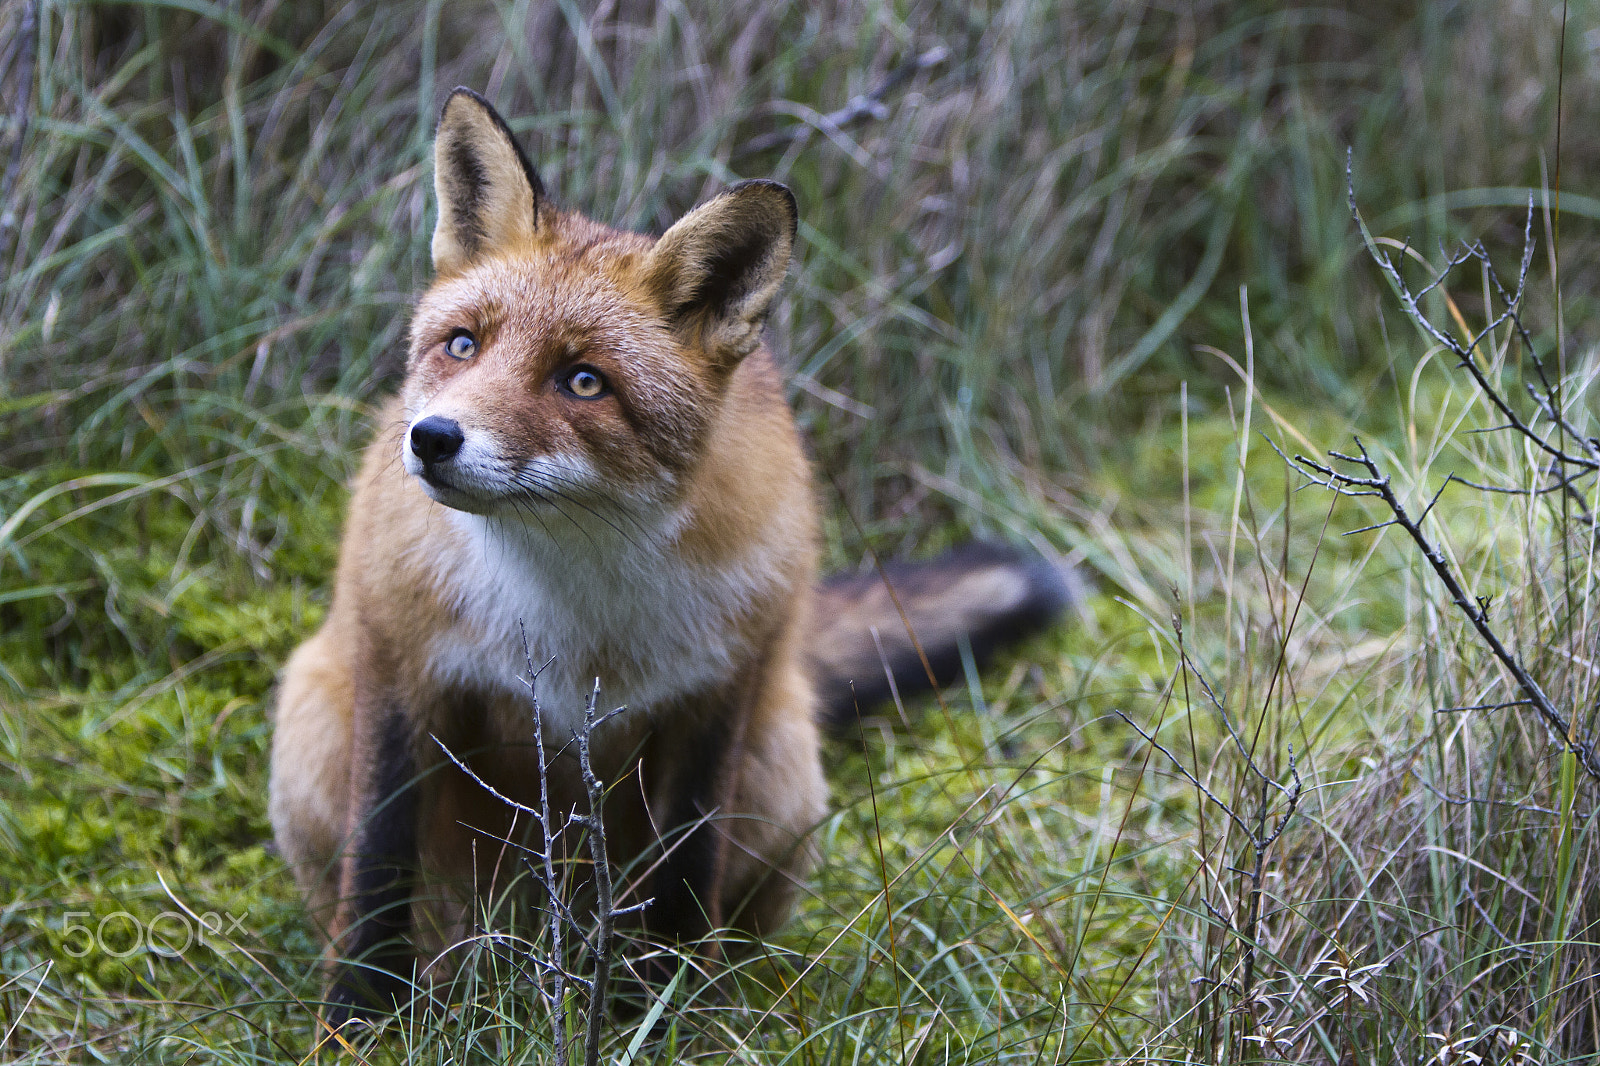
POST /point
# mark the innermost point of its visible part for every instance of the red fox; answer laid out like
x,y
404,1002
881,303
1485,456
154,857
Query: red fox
x,y
592,446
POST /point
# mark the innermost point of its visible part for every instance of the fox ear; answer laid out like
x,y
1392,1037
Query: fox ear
x,y
489,195
718,268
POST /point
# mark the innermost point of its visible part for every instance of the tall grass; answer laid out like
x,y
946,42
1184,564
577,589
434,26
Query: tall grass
x,y
1053,289
1430,899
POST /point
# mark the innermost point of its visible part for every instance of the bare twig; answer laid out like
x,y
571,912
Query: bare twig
x,y
1260,831
1483,707
1476,608
558,994
561,917
1463,351
860,108
605,916
1186,774
1561,468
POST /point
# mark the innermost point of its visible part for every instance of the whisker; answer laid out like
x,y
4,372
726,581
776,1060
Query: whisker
x,y
549,479
554,499
395,454
520,504
533,483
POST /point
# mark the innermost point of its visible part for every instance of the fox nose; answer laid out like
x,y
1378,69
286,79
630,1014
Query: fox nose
x,y
436,439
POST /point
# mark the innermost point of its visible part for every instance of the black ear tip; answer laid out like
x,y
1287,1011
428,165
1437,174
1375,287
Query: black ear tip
x,y
776,190
460,91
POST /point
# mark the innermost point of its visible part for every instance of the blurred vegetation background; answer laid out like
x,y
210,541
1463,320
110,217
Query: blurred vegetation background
x,y
1051,254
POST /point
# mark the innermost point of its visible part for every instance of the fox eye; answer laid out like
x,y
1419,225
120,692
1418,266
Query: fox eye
x,y
585,383
461,345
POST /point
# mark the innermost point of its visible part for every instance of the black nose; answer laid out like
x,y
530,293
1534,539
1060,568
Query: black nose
x,y
436,439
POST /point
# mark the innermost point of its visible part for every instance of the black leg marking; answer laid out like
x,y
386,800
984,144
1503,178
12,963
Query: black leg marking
x,y
680,887
381,882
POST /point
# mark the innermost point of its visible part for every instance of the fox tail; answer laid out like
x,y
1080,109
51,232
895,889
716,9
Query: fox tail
x,y
882,633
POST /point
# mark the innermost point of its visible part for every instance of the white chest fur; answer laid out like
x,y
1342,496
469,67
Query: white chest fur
x,y
630,611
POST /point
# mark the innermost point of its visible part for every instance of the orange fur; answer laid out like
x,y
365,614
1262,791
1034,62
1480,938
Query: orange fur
x,y
660,538
590,446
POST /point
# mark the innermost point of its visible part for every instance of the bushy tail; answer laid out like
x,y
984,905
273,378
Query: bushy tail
x,y
992,594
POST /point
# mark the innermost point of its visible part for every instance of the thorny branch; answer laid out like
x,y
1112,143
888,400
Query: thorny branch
x,y
558,994
605,916
1511,312
601,949
1476,609
1561,466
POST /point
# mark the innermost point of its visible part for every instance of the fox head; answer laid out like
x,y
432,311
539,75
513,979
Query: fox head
x,y
558,363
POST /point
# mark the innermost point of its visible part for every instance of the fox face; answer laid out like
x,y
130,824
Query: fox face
x,y
560,365
547,393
